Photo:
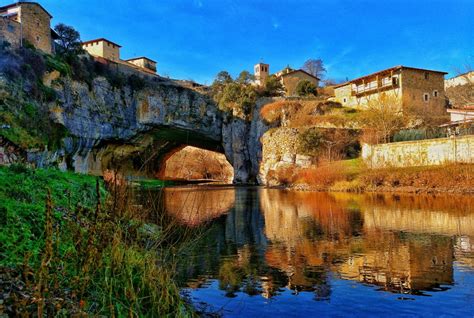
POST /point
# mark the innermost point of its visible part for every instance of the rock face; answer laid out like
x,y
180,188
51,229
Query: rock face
x,y
110,127
280,150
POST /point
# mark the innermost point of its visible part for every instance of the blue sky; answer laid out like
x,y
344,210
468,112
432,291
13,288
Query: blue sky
x,y
195,39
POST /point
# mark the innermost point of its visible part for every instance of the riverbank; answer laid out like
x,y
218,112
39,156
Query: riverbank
x,y
69,247
354,176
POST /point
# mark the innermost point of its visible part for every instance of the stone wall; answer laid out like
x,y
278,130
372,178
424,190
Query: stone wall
x,y
280,150
10,32
290,81
430,152
36,26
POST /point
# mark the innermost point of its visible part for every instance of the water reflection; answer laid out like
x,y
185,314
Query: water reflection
x,y
272,241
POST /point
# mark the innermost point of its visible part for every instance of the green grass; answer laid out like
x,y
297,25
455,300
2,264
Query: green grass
x,y
82,258
22,205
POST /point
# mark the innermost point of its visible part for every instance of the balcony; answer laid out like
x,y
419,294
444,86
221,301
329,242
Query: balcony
x,y
374,87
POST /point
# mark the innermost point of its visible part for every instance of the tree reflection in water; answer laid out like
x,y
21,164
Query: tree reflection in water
x,y
273,240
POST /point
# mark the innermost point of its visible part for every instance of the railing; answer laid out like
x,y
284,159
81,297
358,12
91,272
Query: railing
x,y
358,91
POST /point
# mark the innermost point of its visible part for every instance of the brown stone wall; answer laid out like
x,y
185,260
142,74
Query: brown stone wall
x,y
10,32
414,86
36,26
291,81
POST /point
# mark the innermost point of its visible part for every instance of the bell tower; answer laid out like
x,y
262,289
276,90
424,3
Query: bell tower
x,y
261,72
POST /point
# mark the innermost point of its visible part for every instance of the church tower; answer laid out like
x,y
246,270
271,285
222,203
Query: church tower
x,y
261,72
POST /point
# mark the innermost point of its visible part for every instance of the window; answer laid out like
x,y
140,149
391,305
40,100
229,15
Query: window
x,y
11,28
435,93
394,80
38,38
427,75
426,97
345,100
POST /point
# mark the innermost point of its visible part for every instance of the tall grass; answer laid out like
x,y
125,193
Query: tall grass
x,y
106,260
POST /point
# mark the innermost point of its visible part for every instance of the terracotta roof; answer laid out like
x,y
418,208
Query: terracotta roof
x,y
99,40
139,58
300,70
16,4
398,67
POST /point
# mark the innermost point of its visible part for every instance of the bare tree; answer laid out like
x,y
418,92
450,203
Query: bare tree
x,y
460,90
383,116
315,67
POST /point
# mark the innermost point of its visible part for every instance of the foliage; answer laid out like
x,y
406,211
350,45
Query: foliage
x,y
273,87
306,88
69,41
418,134
82,253
54,63
329,144
245,78
274,113
222,78
315,67
237,97
310,141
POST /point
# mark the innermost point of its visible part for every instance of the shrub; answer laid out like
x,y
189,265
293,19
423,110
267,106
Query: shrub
x,y
306,88
310,141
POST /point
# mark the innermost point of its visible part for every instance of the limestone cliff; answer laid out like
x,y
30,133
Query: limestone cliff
x,y
108,127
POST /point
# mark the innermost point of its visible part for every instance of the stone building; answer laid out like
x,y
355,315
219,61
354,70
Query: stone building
x,y
288,77
103,48
27,21
405,86
108,52
144,63
261,72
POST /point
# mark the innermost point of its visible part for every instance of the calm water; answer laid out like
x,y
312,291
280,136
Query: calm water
x,y
274,253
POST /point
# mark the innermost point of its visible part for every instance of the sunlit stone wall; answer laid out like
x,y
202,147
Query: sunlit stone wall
x,y
420,153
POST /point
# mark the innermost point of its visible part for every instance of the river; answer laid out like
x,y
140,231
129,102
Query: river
x,y
276,253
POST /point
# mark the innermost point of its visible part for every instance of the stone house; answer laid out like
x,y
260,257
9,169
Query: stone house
x,y
103,48
144,63
288,77
27,21
108,52
405,86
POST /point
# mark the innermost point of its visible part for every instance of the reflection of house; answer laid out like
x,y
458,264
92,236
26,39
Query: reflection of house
x,y
110,51
288,77
402,266
407,86
28,21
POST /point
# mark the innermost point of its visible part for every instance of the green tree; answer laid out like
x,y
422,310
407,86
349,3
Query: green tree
x,y
223,77
69,41
310,141
306,88
245,78
273,87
